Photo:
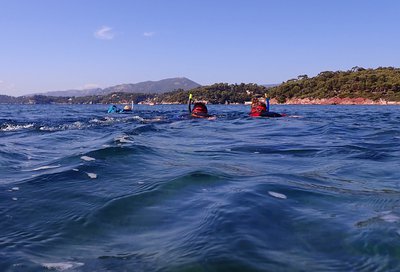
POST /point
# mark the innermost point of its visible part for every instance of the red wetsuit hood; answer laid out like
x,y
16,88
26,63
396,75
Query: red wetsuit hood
x,y
257,109
199,108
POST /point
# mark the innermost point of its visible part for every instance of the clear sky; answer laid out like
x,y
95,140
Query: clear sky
x,y
48,45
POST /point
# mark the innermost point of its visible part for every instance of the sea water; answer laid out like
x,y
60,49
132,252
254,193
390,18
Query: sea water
x,y
154,190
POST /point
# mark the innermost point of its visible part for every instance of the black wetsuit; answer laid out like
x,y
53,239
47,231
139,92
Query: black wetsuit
x,y
270,114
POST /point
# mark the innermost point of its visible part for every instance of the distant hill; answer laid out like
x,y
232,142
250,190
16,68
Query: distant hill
x,y
68,93
6,99
161,86
374,84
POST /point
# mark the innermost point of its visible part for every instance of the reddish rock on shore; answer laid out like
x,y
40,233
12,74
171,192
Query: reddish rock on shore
x,y
337,100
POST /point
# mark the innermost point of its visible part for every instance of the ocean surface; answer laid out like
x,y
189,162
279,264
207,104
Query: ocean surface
x,y
154,190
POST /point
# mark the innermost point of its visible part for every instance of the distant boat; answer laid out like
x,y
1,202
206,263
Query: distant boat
x,y
147,103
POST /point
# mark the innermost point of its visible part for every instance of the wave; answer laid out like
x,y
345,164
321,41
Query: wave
x,y
297,151
107,120
61,266
160,191
45,167
15,127
84,123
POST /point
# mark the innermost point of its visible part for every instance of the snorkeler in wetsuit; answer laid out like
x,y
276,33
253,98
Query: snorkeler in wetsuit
x,y
127,108
114,109
199,109
260,108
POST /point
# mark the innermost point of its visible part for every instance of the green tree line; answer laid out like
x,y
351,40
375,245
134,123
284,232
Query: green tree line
x,y
375,84
218,93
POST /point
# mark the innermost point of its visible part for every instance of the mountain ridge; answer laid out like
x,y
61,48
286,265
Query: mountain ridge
x,y
158,86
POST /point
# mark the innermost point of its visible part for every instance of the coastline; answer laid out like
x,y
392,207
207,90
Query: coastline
x,y
292,101
336,101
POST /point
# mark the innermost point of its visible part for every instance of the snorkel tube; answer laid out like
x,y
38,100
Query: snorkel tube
x,y
190,102
267,102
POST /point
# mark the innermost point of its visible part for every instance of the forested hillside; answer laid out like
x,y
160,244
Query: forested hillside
x,y
381,83
218,93
358,83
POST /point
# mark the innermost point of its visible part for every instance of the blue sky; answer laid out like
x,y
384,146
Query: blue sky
x,y
50,45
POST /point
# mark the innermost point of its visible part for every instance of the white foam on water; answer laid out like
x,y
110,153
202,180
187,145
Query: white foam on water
x,y
228,149
256,152
75,125
92,175
136,117
46,128
9,127
390,218
76,170
87,158
156,119
140,182
123,139
61,266
277,195
95,120
14,188
14,198
46,167
107,120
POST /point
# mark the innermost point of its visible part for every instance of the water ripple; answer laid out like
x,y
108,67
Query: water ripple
x,y
154,190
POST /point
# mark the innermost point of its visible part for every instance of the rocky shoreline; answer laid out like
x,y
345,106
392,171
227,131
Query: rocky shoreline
x,y
336,101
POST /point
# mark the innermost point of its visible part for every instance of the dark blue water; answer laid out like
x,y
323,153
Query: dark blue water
x,y
82,190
